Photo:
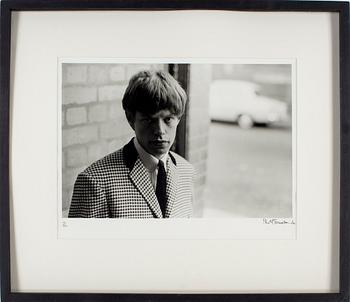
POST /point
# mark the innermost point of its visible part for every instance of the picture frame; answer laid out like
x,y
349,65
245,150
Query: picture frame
x,y
341,9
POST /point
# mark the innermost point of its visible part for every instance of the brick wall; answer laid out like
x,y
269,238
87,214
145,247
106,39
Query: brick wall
x,y
198,127
93,121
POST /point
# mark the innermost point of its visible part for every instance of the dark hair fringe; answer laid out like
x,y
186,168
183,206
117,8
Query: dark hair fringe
x,y
151,91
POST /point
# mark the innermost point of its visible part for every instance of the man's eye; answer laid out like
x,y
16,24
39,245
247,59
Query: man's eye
x,y
169,120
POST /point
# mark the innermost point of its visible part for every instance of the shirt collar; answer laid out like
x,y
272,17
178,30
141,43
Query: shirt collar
x,y
148,160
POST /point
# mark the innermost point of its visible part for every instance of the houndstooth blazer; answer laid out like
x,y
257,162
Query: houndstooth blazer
x,y
119,186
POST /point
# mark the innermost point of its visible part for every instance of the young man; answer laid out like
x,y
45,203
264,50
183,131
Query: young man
x,y
143,179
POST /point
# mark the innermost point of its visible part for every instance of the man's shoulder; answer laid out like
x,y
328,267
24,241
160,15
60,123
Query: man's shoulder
x,y
181,162
107,164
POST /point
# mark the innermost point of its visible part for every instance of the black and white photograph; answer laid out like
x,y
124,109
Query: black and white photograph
x,y
177,140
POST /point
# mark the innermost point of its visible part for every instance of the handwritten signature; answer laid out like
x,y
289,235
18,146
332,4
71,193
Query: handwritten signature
x,y
278,221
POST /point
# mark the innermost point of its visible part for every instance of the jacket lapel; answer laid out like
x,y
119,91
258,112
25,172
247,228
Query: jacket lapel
x,y
171,184
142,182
140,177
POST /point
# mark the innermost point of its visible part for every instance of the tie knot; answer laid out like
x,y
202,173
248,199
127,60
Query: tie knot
x,y
160,164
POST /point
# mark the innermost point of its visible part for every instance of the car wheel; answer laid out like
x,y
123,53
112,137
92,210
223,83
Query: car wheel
x,y
245,121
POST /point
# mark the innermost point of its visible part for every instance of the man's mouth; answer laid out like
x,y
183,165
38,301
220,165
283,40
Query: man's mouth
x,y
159,143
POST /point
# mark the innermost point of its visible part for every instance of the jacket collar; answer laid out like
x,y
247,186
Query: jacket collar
x,y
130,155
139,176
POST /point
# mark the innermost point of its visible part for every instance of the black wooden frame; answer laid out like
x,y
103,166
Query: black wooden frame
x,y
342,8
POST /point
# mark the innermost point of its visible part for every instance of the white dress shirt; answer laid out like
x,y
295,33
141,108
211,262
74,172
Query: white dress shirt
x,y
150,162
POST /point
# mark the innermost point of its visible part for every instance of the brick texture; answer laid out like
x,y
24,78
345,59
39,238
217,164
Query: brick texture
x,y
79,95
76,157
76,116
111,92
79,135
117,74
98,113
75,74
198,128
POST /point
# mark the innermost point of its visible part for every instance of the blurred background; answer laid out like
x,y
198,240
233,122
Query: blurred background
x,y
236,131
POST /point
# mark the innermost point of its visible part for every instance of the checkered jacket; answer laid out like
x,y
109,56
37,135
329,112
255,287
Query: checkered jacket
x,y
119,186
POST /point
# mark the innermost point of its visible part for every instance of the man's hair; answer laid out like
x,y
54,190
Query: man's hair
x,y
151,91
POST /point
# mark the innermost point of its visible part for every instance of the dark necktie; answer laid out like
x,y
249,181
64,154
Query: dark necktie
x,y
161,187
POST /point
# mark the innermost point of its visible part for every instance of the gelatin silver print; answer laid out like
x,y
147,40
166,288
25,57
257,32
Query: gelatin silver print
x,y
177,140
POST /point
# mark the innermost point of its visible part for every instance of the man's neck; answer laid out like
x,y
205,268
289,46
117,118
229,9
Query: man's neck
x,y
148,160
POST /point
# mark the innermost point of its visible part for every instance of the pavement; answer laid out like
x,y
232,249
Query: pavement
x,y
249,172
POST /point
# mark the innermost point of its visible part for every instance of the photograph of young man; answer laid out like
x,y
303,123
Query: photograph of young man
x,y
143,179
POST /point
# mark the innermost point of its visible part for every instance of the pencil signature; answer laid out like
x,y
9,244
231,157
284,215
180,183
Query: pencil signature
x,y
278,221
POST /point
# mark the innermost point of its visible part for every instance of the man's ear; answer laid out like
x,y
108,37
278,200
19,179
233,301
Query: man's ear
x,y
131,118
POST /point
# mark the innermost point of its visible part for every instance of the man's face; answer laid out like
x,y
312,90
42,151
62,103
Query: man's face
x,y
155,133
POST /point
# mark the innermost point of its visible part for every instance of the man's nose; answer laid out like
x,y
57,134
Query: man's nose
x,y
159,127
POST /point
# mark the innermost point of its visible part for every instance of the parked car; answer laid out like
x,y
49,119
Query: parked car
x,y
240,102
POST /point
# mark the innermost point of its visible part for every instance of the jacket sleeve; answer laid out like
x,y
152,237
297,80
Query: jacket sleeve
x,y
89,199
